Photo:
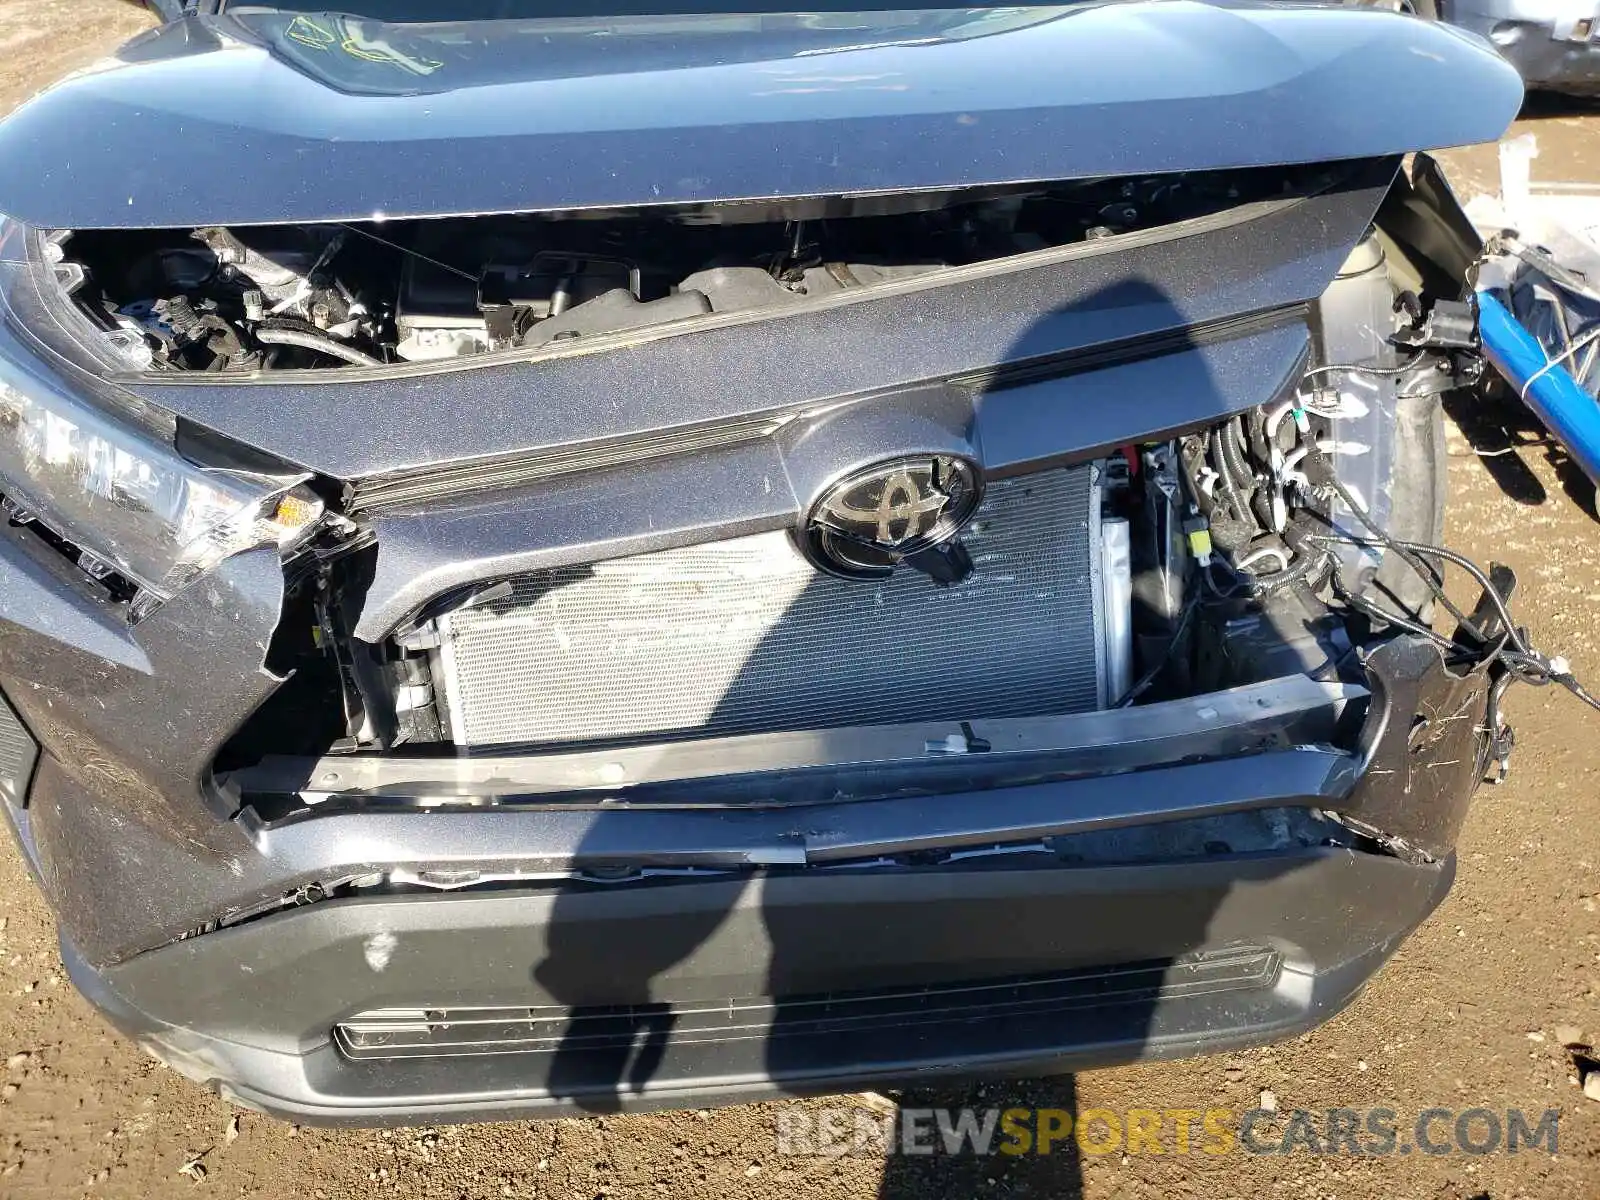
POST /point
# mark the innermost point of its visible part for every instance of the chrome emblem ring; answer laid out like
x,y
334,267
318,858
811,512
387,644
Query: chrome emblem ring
x,y
862,525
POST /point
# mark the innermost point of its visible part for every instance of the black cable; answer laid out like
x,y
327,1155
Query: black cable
x,y
1522,662
1362,604
1234,589
443,266
1497,745
1569,681
1228,445
1365,369
274,336
1511,650
1302,570
1247,584
1477,572
1426,573
1142,684
1235,503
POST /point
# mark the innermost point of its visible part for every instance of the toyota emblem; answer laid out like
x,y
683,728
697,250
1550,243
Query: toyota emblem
x,y
865,523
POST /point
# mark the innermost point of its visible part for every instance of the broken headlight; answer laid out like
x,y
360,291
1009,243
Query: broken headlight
x,y
101,471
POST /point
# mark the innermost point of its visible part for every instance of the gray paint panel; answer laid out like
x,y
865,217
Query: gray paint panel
x,y
738,490
559,114
1114,294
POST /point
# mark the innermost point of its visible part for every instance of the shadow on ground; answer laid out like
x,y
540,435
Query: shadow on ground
x,y
1499,428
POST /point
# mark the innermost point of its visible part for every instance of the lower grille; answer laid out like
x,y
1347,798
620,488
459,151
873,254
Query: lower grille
x,y
745,636
428,1033
17,754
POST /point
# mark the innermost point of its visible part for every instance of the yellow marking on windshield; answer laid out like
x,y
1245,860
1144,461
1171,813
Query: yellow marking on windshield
x,y
308,33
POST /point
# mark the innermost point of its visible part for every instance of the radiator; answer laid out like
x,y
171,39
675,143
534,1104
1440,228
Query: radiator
x,y
745,636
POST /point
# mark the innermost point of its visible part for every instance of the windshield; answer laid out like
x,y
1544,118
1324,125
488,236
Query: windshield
x,y
431,11
407,47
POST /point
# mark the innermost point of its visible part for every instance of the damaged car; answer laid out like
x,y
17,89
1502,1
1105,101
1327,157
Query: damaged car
x,y
1554,44
577,561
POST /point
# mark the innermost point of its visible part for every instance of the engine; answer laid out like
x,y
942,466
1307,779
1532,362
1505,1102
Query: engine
x,y
369,294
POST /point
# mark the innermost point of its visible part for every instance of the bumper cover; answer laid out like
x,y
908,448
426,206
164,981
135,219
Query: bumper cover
x,y
817,923
250,1010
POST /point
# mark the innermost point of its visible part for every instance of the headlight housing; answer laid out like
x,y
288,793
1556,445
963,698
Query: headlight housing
x,y
107,477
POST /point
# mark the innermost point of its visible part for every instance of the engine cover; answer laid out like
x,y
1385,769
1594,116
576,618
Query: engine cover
x,y
745,636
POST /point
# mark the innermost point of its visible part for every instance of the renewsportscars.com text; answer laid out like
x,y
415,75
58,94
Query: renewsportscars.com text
x,y
1362,1132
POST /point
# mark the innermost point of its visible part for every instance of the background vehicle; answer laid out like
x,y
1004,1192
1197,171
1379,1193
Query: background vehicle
x,y
1552,43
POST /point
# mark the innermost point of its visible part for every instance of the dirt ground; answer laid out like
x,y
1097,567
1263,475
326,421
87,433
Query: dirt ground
x,y
1465,1015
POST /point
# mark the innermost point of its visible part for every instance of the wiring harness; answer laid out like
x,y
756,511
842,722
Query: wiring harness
x,y
1499,645
1260,519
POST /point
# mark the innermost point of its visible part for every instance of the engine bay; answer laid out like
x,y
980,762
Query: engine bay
x,y
1233,553
372,294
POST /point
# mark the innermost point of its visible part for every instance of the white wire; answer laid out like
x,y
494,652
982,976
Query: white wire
x,y
1276,416
1256,556
1572,348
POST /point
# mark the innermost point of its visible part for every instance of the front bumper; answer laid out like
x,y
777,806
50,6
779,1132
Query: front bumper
x,y
1065,924
1554,44
249,1010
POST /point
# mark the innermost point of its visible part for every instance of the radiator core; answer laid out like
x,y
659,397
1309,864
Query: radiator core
x,y
745,636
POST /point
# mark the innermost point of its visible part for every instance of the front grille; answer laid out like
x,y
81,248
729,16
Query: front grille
x,y
745,636
428,1033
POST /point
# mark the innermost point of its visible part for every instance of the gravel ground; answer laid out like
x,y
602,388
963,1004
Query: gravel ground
x,y
1465,1015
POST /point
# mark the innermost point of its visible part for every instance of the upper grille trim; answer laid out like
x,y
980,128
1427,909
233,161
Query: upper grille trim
x,y
509,471
454,480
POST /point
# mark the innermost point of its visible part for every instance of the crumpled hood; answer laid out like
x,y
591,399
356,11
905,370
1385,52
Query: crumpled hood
x,y
282,117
